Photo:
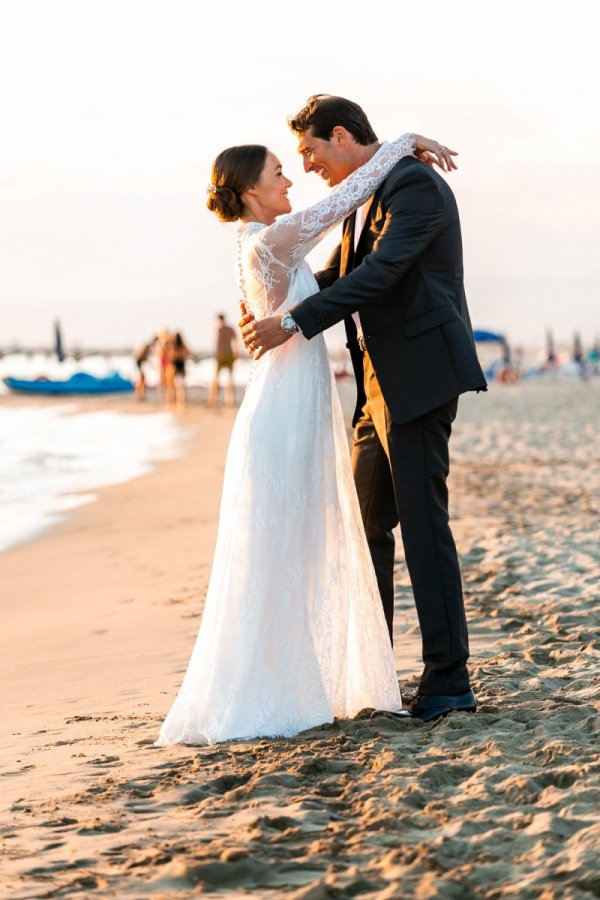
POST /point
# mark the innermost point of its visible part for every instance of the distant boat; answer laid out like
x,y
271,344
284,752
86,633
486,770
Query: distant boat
x,y
79,383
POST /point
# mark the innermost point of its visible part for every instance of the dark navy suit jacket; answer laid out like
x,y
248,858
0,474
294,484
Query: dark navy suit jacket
x,y
406,281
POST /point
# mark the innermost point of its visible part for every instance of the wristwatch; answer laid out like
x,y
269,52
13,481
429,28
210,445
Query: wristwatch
x,y
288,324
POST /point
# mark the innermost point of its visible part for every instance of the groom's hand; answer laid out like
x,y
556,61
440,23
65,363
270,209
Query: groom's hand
x,y
262,336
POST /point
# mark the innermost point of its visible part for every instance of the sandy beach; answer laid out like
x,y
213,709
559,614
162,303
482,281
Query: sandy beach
x,y
100,615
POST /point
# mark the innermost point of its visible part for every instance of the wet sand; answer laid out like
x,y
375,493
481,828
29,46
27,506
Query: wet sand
x,y
99,620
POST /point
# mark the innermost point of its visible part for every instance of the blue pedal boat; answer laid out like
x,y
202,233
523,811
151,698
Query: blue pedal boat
x,y
79,383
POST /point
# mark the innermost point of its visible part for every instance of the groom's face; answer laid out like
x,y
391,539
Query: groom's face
x,y
326,158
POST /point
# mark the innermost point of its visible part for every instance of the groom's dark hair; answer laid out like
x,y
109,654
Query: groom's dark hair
x,y
323,112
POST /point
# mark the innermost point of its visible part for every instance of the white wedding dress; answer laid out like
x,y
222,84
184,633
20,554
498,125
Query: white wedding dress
x,y
293,632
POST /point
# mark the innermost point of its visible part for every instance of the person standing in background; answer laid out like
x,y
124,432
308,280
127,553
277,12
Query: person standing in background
x,y
142,356
177,353
162,345
226,353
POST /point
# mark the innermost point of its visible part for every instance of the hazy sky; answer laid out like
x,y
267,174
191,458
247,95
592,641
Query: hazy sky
x,y
112,112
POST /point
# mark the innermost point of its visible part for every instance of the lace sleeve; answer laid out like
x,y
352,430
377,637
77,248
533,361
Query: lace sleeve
x,y
292,236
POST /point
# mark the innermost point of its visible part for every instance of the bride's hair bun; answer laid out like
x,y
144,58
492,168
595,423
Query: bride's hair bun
x,y
234,171
225,203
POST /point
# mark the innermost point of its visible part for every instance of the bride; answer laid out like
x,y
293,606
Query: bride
x,y
293,632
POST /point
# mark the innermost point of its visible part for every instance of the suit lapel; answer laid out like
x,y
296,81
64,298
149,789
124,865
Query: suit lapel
x,y
360,245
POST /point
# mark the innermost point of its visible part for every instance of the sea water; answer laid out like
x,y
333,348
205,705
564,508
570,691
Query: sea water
x,y
52,457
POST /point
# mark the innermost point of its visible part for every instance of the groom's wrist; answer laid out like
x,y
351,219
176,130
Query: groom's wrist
x,y
289,324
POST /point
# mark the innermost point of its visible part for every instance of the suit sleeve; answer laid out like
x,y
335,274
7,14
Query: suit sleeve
x,y
413,219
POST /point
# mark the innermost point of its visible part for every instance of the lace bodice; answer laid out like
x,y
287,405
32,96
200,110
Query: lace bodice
x,y
268,254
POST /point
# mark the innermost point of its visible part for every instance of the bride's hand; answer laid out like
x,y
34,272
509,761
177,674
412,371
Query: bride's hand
x,y
433,153
246,319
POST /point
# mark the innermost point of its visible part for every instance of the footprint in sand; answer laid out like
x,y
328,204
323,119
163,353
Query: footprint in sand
x,y
105,761
14,772
54,845
63,822
98,826
227,783
242,873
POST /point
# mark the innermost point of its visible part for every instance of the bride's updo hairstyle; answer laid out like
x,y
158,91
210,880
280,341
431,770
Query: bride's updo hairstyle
x,y
234,171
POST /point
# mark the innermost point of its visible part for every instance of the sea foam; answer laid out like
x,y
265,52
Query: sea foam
x,y
53,457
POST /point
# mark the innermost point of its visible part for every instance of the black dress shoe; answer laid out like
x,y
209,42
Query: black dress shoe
x,y
432,706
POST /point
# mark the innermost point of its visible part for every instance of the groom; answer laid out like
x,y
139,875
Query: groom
x,y
397,281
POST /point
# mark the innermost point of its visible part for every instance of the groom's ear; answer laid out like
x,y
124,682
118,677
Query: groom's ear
x,y
339,135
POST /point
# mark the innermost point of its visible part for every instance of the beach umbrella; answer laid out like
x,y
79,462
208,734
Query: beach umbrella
x,y
485,337
58,345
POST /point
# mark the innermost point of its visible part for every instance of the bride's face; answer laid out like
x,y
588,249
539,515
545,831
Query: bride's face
x,y
271,192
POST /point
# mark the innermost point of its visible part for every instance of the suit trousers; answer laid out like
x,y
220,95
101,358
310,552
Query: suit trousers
x,y
400,472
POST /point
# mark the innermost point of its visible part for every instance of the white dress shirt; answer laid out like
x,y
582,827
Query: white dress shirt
x,y
359,224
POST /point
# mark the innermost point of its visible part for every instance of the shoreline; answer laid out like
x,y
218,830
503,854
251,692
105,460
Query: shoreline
x,y
100,618
62,503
